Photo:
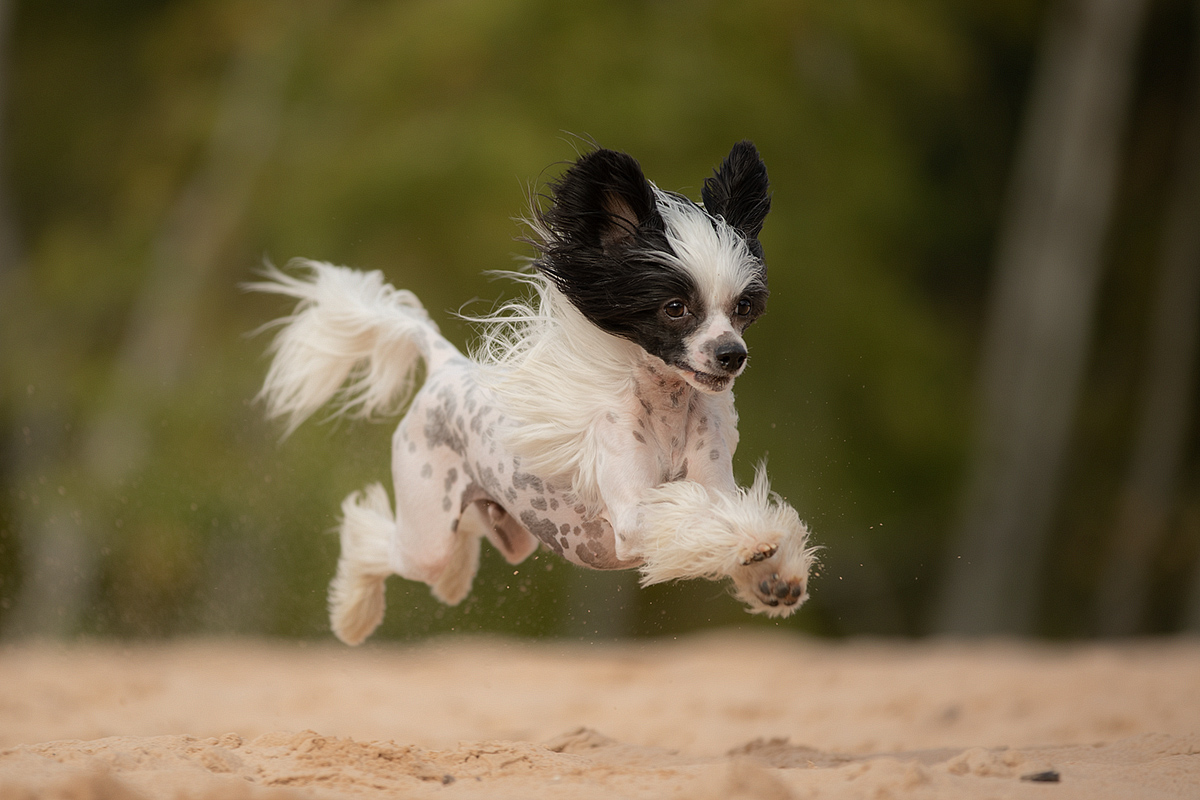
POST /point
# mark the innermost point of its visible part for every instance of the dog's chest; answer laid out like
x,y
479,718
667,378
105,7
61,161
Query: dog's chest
x,y
666,416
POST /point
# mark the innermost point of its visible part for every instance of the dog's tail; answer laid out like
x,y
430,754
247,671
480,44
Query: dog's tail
x,y
352,338
356,601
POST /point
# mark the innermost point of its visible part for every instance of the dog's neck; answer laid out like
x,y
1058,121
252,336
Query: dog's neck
x,y
659,390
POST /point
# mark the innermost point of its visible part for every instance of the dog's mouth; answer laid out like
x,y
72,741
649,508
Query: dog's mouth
x,y
710,382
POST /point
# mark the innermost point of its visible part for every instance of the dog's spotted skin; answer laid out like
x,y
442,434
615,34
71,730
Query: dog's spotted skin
x,y
448,462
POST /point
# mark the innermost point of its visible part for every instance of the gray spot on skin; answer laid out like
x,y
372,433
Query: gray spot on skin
x,y
553,504
412,447
439,432
543,529
611,417
538,503
699,444
488,478
446,503
596,555
511,494
639,437
527,480
682,473
703,426
451,478
713,454
427,470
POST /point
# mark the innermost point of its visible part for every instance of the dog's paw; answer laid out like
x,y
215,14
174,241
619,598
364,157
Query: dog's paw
x,y
774,590
758,553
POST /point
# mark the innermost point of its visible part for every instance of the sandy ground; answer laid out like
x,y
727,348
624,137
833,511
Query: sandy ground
x,y
717,716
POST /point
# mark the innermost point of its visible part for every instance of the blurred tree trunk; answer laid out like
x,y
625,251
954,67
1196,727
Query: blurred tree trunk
x,y
1151,487
1040,312
61,550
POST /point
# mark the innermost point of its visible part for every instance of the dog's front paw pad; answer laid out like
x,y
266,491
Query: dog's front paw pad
x,y
762,552
775,590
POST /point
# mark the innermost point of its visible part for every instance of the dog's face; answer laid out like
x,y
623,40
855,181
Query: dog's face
x,y
682,281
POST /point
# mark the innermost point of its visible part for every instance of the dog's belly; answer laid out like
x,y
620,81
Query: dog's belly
x,y
454,412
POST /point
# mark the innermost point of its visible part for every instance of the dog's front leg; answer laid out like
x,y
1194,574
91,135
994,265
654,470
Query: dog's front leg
x,y
624,474
673,527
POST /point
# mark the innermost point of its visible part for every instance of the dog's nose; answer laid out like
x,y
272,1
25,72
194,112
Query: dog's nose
x,y
730,356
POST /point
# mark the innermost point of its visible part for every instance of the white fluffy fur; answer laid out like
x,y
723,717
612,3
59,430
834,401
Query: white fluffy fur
x,y
352,338
546,361
680,544
356,595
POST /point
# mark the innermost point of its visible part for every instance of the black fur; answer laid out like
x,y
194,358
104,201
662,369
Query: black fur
x,y
739,192
606,241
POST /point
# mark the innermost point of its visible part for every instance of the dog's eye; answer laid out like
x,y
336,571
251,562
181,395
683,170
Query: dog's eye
x,y
743,307
674,309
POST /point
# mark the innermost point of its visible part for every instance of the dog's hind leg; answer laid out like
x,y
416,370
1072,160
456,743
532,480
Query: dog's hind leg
x,y
454,582
434,542
356,595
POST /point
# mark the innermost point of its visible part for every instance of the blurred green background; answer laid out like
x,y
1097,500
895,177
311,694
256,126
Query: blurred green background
x,y
153,153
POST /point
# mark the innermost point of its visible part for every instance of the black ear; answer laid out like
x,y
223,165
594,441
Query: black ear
x,y
738,191
603,201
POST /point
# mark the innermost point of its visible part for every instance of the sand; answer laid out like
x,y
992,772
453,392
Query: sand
x,y
727,715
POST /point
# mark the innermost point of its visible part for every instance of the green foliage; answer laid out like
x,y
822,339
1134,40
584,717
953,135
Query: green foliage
x,y
409,136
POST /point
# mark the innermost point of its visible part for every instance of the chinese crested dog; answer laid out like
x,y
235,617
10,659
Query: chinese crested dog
x,y
594,419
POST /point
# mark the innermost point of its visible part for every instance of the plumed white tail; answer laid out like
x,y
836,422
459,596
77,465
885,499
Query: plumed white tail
x,y
352,338
356,601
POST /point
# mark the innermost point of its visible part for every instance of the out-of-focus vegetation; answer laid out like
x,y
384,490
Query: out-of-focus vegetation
x,y
155,152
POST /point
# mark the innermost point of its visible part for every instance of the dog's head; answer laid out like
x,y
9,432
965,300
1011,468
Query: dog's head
x,y
681,280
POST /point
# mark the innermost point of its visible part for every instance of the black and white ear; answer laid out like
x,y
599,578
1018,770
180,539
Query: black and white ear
x,y
738,191
602,202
